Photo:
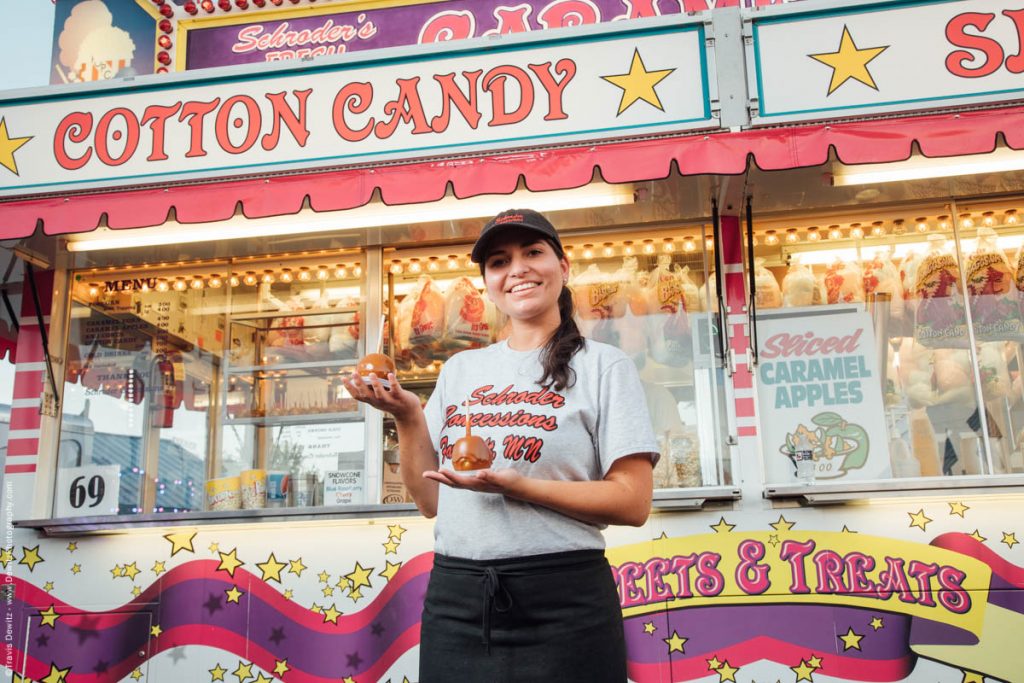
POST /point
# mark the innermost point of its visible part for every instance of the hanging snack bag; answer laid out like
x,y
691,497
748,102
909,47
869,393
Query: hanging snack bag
x,y
939,317
427,325
993,295
767,292
992,368
882,277
799,288
917,373
844,283
629,327
465,316
344,339
708,294
403,327
668,328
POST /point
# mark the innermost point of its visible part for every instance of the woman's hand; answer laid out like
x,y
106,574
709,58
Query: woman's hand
x,y
502,481
396,400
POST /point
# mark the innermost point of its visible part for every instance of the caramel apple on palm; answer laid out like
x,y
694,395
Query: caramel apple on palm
x,y
377,363
470,452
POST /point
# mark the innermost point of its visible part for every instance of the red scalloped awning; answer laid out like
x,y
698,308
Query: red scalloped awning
x,y
858,142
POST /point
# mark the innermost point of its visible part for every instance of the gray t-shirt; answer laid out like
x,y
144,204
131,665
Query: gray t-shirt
x,y
574,434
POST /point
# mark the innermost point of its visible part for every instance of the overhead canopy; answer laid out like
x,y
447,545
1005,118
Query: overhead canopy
x,y
11,276
877,141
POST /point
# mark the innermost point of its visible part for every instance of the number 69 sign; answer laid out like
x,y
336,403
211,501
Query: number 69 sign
x,y
88,491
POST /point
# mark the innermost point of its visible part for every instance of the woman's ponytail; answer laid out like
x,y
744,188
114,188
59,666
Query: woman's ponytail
x,y
562,346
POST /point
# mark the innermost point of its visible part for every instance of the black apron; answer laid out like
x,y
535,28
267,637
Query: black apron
x,y
553,617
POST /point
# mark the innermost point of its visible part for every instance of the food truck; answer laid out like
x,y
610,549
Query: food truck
x,y
801,221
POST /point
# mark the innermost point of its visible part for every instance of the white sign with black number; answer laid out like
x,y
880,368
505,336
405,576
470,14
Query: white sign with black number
x,y
88,491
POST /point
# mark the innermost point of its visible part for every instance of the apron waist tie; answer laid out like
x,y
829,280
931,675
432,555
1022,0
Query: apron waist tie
x,y
497,598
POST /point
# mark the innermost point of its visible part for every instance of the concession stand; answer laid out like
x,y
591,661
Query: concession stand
x,y
801,222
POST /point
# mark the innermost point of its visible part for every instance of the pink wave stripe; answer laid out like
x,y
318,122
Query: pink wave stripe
x,y
965,545
774,650
206,569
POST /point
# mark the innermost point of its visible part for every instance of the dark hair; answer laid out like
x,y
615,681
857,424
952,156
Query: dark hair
x,y
564,342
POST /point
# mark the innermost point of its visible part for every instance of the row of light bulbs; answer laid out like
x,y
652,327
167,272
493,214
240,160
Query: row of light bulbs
x,y
858,231
249,278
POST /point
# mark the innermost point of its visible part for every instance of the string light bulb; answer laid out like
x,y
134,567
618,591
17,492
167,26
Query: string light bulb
x,y
792,236
233,280
709,242
340,271
988,219
432,265
215,281
668,245
922,224
943,223
414,266
286,275
304,274
648,246
197,282
268,277
250,278
453,262
357,270
162,285
322,273
899,226
966,221
835,232
856,232
770,238
396,267
180,285
812,234
588,251
94,290
688,245
627,248
1011,217
609,250
878,229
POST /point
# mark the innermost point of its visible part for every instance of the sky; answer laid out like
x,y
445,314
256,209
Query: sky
x,y
26,39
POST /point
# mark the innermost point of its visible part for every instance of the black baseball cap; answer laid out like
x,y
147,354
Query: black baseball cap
x,y
513,218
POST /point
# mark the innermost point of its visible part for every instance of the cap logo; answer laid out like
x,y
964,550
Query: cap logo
x,y
510,218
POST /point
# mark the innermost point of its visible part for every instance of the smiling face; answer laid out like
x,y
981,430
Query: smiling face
x,y
524,276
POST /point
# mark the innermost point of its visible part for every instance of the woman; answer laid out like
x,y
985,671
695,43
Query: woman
x,y
520,589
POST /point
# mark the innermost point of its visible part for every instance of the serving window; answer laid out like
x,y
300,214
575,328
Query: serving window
x,y
215,386
889,336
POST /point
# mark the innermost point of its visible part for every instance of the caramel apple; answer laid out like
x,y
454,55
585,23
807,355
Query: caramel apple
x,y
470,452
378,364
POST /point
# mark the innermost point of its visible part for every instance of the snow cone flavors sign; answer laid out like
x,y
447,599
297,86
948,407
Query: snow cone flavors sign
x,y
511,92
818,378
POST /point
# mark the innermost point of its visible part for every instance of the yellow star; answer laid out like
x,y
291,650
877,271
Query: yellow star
x,y
650,628
919,519
849,62
815,662
8,146
851,640
714,664
355,594
722,526
6,556
158,568
726,673
1010,539
48,617
271,568
638,84
348,679
181,540
359,577
214,547
131,571
76,568
72,546
217,673
229,562
56,675
30,557
675,643
281,667
782,524
117,571
288,593
971,677
155,630
331,614
848,530
773,540
324,577
343,583
958,509
48,586
327,591
260,678
978,537
316,609
803,672
136,591
395,531
243,671
876,623
390,547
233,594
296,567
137,674
389,572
